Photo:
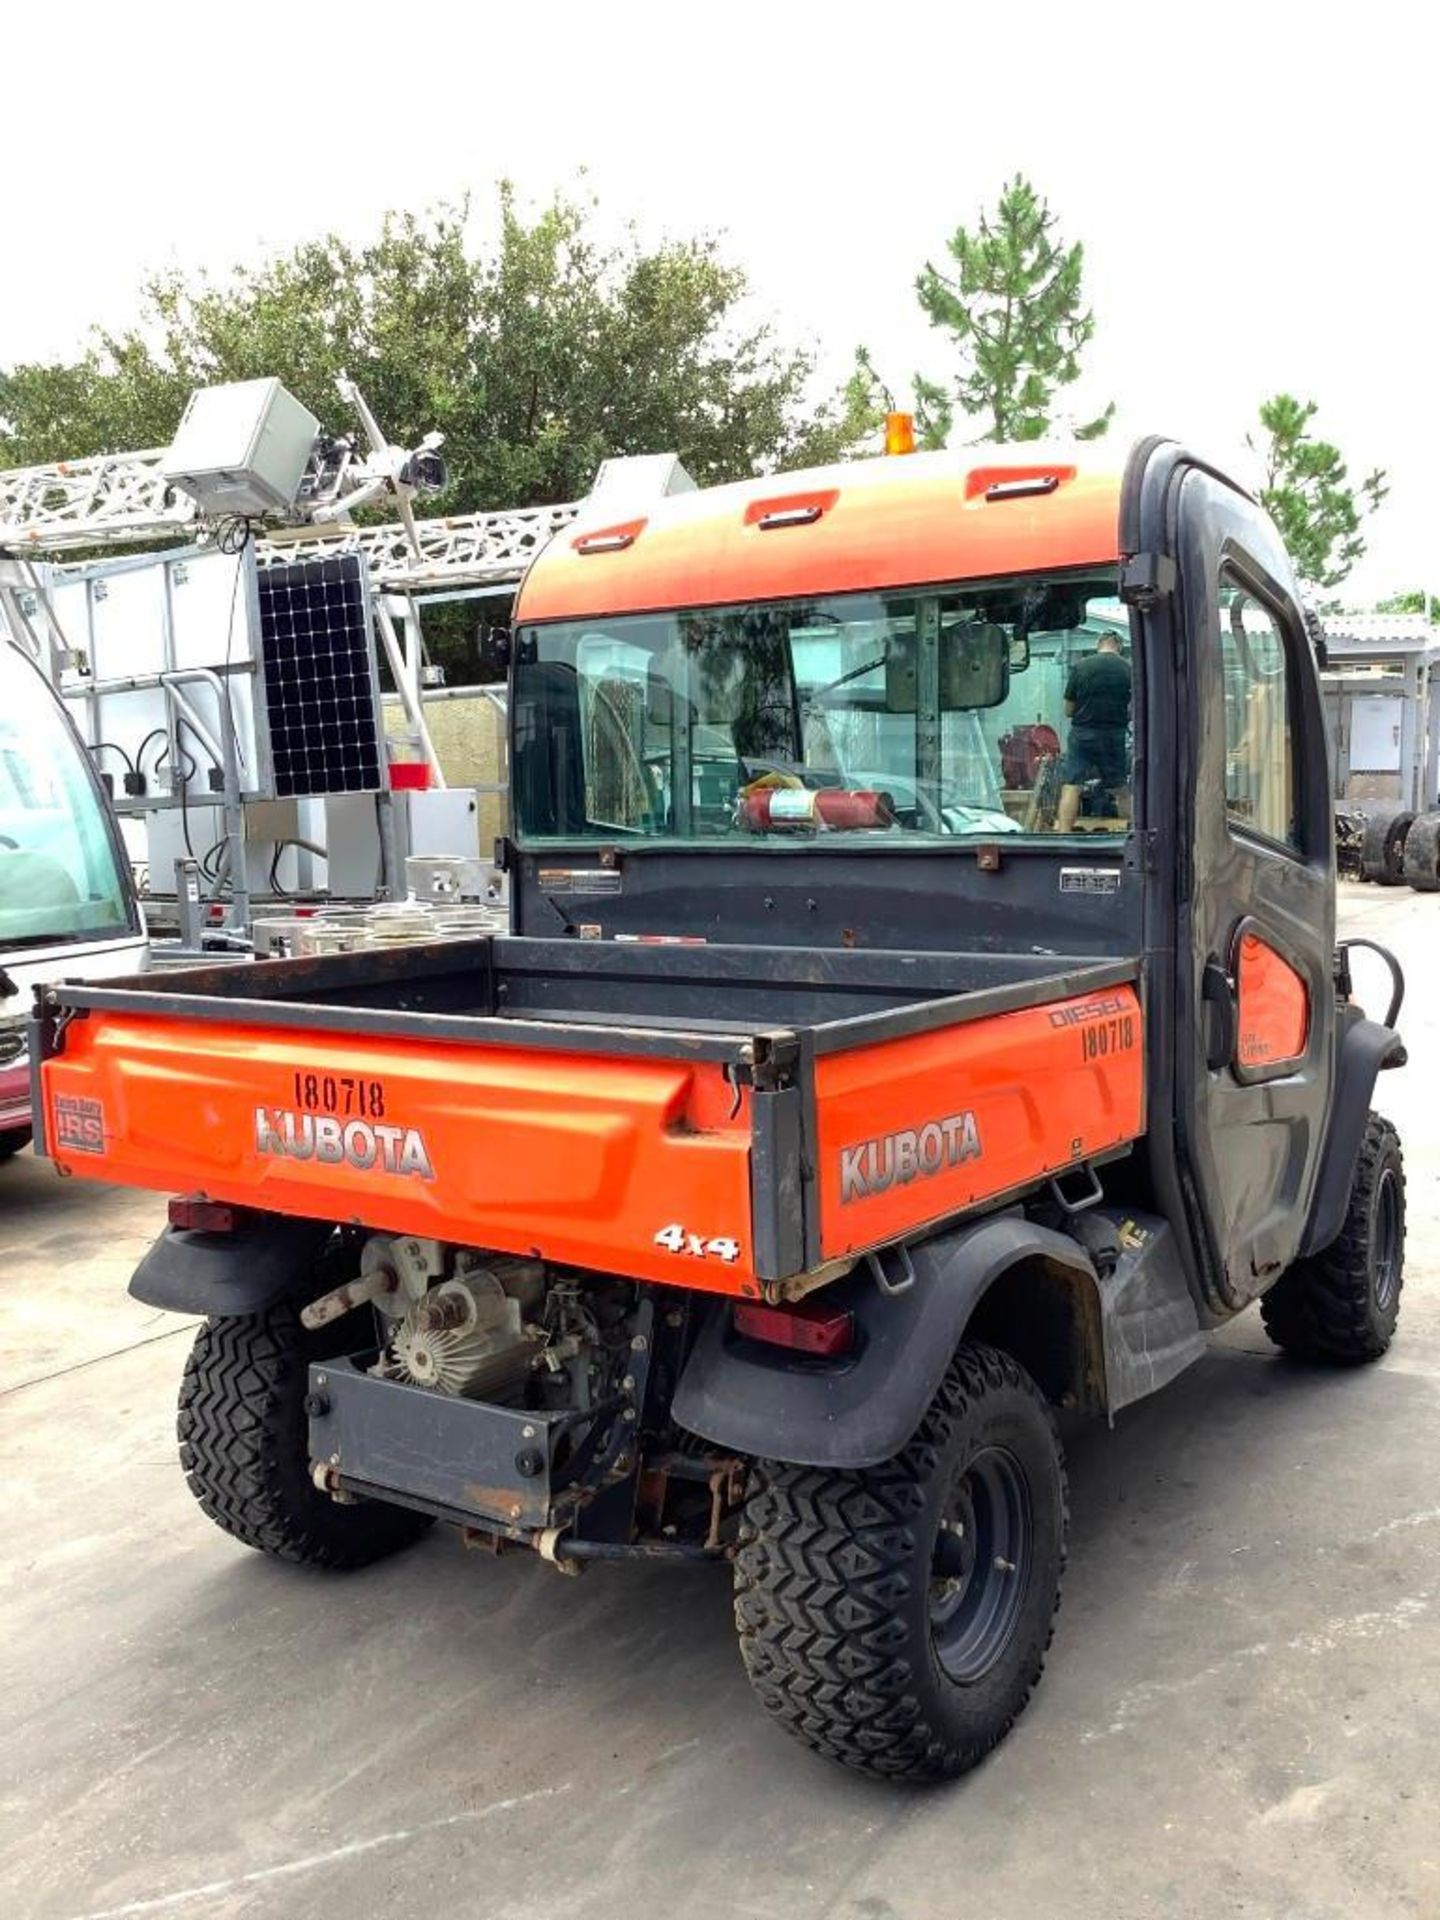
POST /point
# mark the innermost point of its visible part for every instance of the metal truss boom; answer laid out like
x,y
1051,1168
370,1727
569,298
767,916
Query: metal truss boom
x,y
458,550
109,500
123,500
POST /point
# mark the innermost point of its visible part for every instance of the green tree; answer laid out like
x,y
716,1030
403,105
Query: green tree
x,y
537,356
1307,493
1011,299
1415,600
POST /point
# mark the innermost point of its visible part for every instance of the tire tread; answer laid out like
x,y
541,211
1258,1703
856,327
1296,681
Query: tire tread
x,y
825,1565
243,1459
1383,849
1322,1308
1420,862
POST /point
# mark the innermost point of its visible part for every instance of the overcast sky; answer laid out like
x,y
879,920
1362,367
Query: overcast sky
x,y
1256,186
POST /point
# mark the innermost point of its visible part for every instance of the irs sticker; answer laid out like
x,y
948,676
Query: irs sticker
x,y
79,1123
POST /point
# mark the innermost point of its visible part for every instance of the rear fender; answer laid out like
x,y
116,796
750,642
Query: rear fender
x,y
1365,1047
224,1275
763,1402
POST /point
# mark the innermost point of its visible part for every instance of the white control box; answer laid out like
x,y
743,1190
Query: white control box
x,y
242,448
442,820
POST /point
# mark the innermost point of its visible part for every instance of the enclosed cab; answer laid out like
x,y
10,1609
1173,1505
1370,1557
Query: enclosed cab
x,y
922,1012
67,901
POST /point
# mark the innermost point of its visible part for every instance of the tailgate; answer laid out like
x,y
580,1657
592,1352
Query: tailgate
x,y
635,1165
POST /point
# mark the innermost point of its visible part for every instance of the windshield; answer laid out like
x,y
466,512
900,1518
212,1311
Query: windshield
x,y
59,876
1001,708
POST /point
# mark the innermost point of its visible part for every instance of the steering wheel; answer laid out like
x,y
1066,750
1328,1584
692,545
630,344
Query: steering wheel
x,y
654,796
929,814
933,811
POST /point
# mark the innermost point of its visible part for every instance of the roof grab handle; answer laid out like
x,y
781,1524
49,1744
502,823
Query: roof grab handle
x,y
789,517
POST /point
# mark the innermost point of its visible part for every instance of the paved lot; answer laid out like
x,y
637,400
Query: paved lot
x,y
1241,1717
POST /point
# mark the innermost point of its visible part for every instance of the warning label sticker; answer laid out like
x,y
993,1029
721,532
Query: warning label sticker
x,y
79,1124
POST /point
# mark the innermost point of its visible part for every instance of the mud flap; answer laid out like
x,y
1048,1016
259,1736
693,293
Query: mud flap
x,y
1365,1048
1134,1328
226,1274
761,1401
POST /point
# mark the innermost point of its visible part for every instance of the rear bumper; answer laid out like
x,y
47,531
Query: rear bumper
x,y
504,1469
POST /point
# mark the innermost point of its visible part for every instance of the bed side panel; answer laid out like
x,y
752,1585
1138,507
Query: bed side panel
x,y
910,1131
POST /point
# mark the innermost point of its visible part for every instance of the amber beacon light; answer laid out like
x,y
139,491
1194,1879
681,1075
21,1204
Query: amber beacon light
x,y
899,433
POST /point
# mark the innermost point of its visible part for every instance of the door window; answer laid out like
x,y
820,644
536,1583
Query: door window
x,y
1273,1008
1260,781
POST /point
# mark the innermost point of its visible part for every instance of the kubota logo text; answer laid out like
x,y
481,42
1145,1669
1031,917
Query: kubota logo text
x,y
359,1143
895,1159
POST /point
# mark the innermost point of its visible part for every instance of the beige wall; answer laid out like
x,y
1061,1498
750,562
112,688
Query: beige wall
x,y
469,734
1373,786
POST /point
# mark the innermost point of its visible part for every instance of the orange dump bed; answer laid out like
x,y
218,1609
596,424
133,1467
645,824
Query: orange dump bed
x,y
709,1152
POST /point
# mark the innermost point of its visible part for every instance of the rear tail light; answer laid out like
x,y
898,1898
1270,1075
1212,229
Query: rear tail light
x,y
194,1215
807,1327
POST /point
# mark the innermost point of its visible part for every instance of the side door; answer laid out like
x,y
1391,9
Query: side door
x,y
1256,911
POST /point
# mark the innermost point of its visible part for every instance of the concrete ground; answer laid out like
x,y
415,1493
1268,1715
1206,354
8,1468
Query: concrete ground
x,y
1241,1714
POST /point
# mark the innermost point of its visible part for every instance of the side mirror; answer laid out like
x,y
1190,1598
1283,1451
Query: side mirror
x,y
493,651
1315,627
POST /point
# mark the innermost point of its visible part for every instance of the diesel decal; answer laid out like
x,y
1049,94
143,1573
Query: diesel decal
x,y
1098,1009
79,1123
325,1138
895,1159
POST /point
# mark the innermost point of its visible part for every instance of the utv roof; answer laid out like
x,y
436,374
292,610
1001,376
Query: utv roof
x,y
911,520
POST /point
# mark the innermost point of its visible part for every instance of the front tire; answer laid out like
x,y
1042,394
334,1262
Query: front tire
x,y
244,1445
896,1618
13,1141
1342,1305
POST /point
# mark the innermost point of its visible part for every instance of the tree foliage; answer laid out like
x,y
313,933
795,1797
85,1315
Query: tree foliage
x,y
1307,493
537,356
1011,299
1413,600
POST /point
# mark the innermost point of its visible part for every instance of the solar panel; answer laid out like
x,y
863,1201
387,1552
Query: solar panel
x,y
321,696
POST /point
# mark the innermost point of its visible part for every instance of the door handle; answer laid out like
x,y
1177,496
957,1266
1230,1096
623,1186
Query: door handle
x,y
1217,994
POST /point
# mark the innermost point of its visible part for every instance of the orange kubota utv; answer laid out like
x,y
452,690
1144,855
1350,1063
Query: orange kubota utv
x,y
921,1011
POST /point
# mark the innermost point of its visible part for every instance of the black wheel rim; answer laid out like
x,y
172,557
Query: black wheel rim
x,y
1387,1240
981,1565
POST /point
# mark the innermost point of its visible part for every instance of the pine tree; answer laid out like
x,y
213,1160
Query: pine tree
x,y
1013,304
1308,495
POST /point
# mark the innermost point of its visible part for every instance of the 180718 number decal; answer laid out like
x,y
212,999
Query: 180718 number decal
x,y
1104,1037
340,1093
675,1239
